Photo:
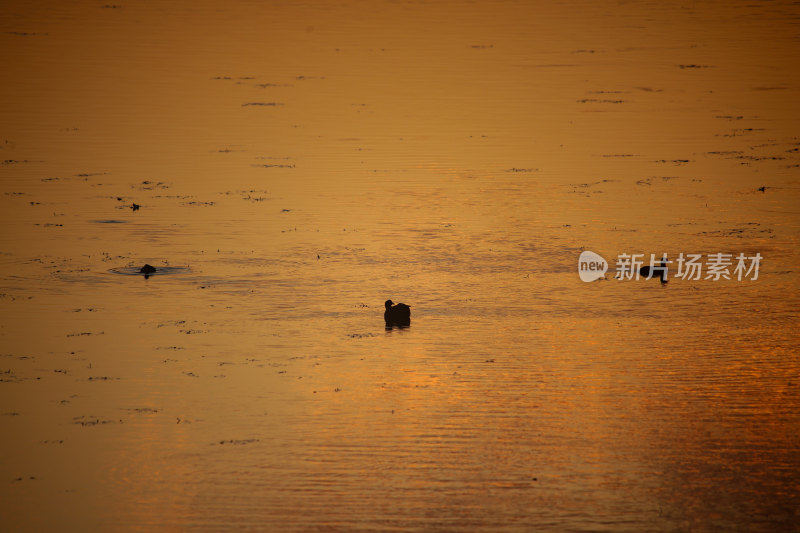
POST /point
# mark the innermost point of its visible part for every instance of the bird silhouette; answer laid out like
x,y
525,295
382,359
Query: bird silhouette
x,y
147,270
397,315
655,272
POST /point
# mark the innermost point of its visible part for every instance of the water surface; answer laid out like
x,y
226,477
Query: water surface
x,y
287,167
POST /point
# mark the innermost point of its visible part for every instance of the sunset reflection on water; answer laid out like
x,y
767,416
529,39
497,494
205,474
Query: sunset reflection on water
x,y
288,167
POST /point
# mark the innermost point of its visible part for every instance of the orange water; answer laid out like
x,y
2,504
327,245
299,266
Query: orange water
x,y
457,157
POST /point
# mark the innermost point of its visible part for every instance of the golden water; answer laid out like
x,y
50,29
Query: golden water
x,y
296,164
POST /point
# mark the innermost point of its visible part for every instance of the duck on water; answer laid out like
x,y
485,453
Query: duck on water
x,y
659,271
397,314
147,270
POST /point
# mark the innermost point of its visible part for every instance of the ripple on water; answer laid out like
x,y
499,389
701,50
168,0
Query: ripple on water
x,y
160,271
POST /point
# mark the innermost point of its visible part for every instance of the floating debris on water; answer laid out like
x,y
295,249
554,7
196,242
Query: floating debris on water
x,y
93,421
236,442
599,101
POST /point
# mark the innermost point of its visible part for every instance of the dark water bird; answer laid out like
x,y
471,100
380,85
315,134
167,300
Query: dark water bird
x,y
135,207
655,272
147,270
397,315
